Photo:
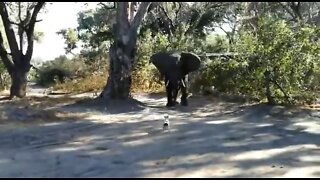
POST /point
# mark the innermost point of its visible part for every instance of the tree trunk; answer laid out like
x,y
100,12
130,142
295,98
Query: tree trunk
x,y
119,80
19,83
122,52
268,88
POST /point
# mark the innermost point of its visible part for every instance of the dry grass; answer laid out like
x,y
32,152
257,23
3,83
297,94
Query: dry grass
x,y
141,84
96,82
31,111
91,83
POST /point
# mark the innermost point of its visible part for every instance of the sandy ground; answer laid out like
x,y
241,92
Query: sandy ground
x,y
56,137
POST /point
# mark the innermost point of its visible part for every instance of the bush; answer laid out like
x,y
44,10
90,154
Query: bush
x,y
92,82
278,58
5,80
58,70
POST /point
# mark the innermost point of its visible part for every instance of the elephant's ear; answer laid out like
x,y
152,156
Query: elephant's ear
x,y
190,62
165,62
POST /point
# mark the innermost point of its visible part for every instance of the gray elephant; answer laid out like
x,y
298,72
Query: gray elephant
x,y
175,67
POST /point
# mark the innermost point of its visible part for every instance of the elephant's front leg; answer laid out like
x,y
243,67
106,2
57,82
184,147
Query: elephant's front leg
x,y
169,96
172,93
184,91
169,93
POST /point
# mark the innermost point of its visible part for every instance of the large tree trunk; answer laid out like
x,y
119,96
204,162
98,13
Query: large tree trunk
x,y
122,51
119,80
19,83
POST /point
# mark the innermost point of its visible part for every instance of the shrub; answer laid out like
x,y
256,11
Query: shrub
x,y
59,70
279,64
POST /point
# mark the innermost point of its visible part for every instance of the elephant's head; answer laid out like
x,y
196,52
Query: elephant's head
x,y
175,66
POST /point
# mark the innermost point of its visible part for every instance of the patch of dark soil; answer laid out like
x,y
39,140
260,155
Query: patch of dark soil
x,y
109,105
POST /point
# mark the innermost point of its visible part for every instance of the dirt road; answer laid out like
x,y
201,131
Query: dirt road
x,y
209,138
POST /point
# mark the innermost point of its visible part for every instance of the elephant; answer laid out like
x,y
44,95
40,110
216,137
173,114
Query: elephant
x,y
175,67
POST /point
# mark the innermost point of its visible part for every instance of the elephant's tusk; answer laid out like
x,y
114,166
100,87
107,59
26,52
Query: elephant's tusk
x,y
167,84
183,84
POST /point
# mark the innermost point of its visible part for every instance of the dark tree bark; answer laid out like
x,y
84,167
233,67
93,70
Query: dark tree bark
x,y
268,88
16,62
19,83
122,52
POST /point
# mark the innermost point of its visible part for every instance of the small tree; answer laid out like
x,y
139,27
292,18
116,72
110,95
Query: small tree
x,y
17,61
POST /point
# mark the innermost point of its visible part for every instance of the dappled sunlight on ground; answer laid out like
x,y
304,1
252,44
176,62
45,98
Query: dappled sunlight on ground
x,y
269,153
80,137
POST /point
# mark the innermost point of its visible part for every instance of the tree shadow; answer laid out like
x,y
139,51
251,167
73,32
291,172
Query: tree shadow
x,y
109,106
207,140
6,98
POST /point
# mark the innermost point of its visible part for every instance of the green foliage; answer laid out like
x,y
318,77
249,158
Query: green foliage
x,y
71,39
4,77
58,70
94,26
93,32
290,55
195,18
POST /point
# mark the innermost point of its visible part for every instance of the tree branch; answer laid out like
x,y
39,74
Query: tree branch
x,y
19,13
142,11
4,55
9,31
30,29
169,19
282,90
122,15
288,11
193,23
296,9
132,7
179,9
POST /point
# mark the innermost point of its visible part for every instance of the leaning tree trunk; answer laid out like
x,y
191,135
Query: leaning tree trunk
x,y
18,83
122,52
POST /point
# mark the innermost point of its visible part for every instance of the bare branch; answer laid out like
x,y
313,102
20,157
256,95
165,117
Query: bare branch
x,y
14,23
9,31
296,9
288,10
132,7
30,29
226,32
179,8
170,20
19,13
142,11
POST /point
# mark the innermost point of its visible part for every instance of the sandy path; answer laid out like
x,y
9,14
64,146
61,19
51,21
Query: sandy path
x,y
209,138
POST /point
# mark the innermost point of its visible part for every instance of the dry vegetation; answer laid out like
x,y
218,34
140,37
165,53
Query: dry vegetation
x,y
31,111
90,83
